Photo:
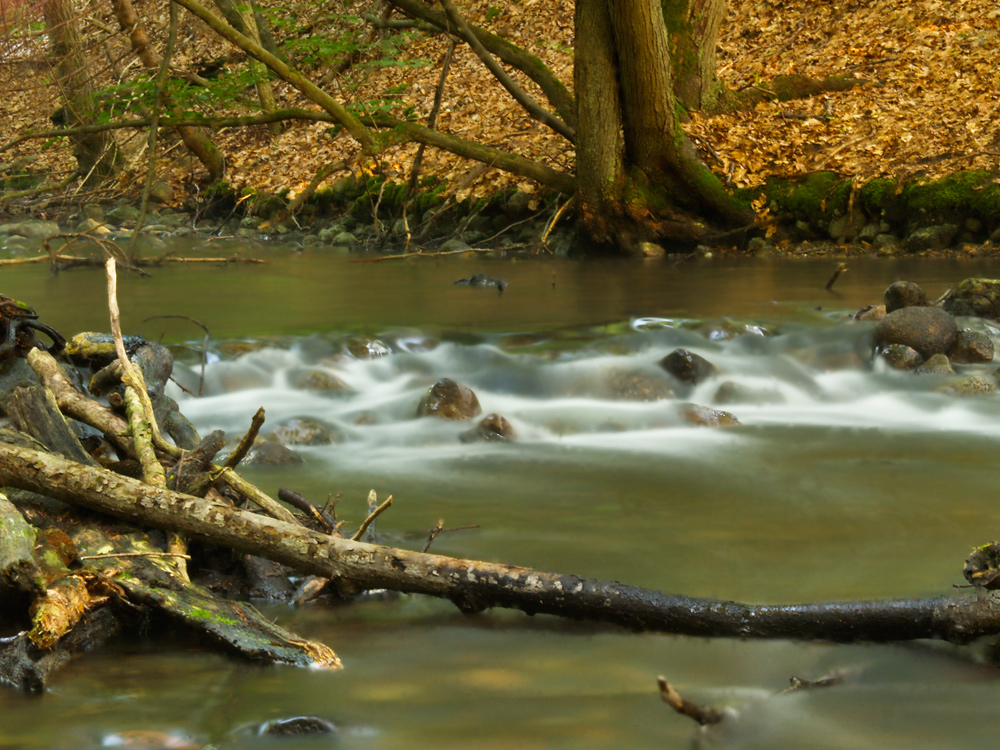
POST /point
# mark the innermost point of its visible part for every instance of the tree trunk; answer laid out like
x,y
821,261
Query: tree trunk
x,y
662,191
259,72
96,153
196,139
693,30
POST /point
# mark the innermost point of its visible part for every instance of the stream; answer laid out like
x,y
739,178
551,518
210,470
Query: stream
x,y
842,481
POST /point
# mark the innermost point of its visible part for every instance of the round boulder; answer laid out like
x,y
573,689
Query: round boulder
x,y
447,399
688,367
929,330
904,294
936,365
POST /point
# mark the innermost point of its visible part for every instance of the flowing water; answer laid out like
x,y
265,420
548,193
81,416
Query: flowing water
x,y
844,481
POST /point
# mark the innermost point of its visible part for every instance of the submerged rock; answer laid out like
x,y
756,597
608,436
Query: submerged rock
x,y
315,379
482,281
491,429
731,392
688,367
971,347
447,399
904,294
305,431
977,297
974,385
637,385
703,416
929,330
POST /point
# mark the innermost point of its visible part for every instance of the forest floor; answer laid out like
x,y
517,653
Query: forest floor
x,y
927,107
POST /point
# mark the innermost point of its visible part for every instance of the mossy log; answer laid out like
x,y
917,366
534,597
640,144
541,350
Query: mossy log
x,y
475,586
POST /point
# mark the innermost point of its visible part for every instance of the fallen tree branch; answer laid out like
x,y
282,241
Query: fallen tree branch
x,y
474,586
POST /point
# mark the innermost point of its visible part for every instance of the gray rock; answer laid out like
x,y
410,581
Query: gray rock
x,y
846,227
272,453
518,203
929,330
449,400
901,357
931,238
31,229
971,347
123,215
978,297
346,239
885,241
453,244
688,367
936,365
869,232
904,294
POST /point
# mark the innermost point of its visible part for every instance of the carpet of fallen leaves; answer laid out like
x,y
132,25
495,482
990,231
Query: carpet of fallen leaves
x,y
928,104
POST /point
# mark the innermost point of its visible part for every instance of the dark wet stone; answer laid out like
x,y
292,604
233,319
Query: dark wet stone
x,y
901,357
978,297
300,726
904,294
931,238
272,453
936,365
483,281
731,392
688,367
971,347
703,416
929,330
314,379
362,347
974,385
637,385
492,429
447,399
304,431
267,579
870,312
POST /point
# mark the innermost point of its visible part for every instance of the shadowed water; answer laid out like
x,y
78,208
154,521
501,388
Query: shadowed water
x,y
844,480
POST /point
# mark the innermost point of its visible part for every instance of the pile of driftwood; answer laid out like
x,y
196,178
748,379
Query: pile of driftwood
x,y
105,518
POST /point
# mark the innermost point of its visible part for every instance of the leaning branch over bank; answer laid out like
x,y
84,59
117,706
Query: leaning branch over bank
x,y
474,586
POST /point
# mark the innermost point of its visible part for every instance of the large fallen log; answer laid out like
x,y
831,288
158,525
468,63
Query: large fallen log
x,y
474,586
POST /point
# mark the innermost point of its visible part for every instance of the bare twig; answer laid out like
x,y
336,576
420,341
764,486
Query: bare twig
x,y
247,442
703,715
371,518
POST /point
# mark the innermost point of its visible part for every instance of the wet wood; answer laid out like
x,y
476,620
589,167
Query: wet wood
x,y
475,586
33,410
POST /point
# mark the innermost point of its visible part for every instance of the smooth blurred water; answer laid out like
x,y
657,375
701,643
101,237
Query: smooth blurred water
x,y
844,481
